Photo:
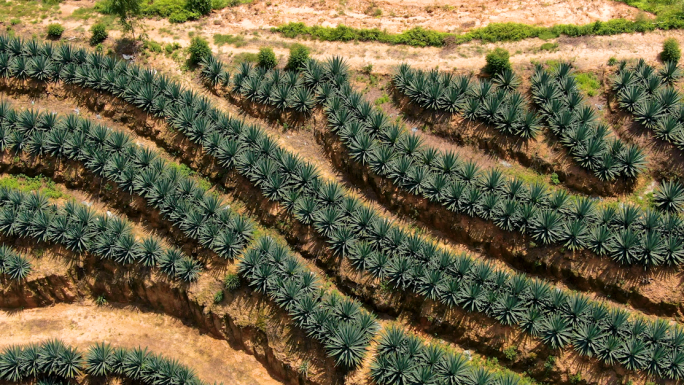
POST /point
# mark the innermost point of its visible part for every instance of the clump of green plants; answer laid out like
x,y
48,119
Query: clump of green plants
x,y
171,48
554,179
153,46
267,58
498,61
671,51
218,297
55,31
549,47
231,282
588,83
202,7
199,49
235,40
299,55
98,34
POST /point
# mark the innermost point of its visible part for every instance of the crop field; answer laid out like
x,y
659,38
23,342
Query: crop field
x,y
357,192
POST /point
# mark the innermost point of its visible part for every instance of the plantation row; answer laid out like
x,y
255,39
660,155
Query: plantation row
x,y
591,143
402,358
558,98
343,327
52,362
496,102
652,99
112,155
79,228
376,245
628,234
13,265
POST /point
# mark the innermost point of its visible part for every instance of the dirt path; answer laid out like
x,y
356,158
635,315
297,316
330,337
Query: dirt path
x,y
84,324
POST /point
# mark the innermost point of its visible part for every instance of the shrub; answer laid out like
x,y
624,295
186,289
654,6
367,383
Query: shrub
x,y
231,282
199,49
55,31
671,51
203,7
267,58
497,61
153,46
98,34
299,55
182,16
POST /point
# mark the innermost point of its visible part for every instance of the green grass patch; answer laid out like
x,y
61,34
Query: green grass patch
x,y
235,40
549,47
382,100
588,83
244,57
27,184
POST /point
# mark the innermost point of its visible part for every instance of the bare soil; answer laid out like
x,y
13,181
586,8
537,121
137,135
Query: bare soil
x,y
83,324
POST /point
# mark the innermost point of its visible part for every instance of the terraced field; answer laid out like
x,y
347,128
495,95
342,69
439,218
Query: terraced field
x,y
189,196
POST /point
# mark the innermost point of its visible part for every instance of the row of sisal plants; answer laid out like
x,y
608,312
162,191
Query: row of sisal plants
x,y
53,362
13,265
495,102
651,97
373,244
627,234
590,142
411,263
79,228
339,323
405,358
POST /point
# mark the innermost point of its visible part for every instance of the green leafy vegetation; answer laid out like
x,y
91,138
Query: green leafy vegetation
x,y
199,49
299,55
267,58
202,7
177,11
549,47
588,83
494,32
234,40
497,61
98,34
671,51
55,30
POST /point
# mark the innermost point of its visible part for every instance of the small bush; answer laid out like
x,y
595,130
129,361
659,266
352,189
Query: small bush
x,y
299,55
55,31
267,58
231,282
182,16
218,297
671,51
199,49
171,47
549,47
98,34
203,7
612,61
497,61
153,46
